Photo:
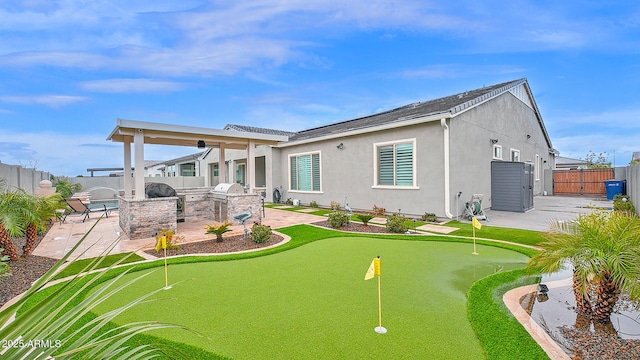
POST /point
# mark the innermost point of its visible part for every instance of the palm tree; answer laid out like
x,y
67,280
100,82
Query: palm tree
x,y
62,316
11,221
39,210
604,249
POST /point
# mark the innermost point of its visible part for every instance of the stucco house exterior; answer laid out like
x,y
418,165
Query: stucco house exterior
x,y
428,156
424,157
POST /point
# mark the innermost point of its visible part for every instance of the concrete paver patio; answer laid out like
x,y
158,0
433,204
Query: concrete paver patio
x,y
62,237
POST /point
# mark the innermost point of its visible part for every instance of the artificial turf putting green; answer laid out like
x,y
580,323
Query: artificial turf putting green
x,y
312,302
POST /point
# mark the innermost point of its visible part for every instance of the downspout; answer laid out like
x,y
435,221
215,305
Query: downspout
x,y
447,190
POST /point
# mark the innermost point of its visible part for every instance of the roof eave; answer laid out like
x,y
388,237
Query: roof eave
x,y
168,134
387,126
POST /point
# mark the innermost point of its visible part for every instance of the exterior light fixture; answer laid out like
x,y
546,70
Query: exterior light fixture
x,y
340,146
494,141
528,136
201,144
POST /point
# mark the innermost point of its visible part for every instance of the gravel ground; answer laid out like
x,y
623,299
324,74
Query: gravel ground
x,y
356,227
587,345
24,272
229,244
590,345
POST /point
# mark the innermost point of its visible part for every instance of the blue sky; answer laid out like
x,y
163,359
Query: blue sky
x,y
69,69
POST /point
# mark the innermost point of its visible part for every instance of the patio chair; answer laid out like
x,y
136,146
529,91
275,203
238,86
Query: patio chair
x,y
78,207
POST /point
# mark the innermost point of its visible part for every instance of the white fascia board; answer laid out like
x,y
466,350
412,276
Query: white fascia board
x,y
392,125
123,124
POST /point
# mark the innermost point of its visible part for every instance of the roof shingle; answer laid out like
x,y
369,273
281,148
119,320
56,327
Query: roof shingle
x,y
449,104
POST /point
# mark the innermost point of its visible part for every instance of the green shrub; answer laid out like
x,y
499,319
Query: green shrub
x,y
260,233
623,203
65,187
364,218
172,239
396,223
313,204
335,205
338,219
430,217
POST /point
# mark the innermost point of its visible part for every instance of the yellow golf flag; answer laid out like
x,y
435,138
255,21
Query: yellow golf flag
x,y
371,272
374,269
477,224
164,242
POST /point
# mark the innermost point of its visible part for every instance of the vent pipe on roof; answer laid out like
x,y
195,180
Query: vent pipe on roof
x,y
447,190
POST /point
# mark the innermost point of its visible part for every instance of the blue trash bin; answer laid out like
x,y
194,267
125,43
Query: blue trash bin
x,y
614,187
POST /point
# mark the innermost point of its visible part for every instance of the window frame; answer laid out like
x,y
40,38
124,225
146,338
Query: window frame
x,y
376,164
512,153
538,167
497,147
318,170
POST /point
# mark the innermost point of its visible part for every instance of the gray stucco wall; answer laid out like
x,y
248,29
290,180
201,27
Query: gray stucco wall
x,y
18,177
506,119
350,171
102,187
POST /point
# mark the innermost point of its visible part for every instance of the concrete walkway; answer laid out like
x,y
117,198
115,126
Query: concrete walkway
x,y
546,209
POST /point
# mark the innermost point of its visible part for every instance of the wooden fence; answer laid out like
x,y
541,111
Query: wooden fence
x,y
582,181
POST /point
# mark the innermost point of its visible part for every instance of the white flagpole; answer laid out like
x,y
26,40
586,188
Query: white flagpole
x,y
473,226
166,271
380,329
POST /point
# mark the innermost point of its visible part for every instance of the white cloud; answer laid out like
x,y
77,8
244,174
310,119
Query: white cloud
x,y
73,154
54,101
197,38
131,86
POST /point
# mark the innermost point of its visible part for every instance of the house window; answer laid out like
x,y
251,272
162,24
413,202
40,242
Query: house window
x,y
188,169
395,163
171,170
497,152
304,171
538,167
515,155
216,169
241,170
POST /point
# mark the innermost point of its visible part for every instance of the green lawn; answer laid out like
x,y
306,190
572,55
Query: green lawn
x,y
81,265
526,237
312,302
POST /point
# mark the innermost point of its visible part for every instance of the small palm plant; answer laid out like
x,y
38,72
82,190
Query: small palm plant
x,y
218,230
60,316
11,221
65,187
38,212
364,218
604,249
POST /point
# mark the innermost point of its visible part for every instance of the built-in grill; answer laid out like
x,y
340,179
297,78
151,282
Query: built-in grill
x,y
219,199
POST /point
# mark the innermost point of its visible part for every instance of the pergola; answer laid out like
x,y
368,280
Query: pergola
x,y
139,133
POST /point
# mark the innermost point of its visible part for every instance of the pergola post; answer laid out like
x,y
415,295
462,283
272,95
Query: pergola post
x,y
222,166
127,170
138,144
251,165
